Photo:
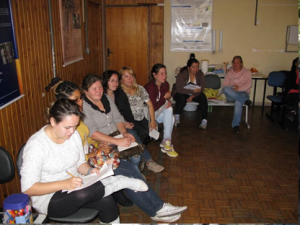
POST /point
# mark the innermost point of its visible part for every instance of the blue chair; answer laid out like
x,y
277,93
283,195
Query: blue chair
x,y
276,80
83,215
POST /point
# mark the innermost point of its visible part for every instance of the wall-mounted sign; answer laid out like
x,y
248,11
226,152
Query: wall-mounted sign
x,y
10,77
191,25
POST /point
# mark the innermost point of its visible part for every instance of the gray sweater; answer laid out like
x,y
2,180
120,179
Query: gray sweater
x,y
99,121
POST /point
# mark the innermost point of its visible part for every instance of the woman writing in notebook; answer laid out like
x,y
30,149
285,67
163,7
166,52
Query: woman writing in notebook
x,y
57,149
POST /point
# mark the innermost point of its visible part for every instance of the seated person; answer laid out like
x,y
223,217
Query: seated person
x,y
110,82
182,96
236,87
291,92
158,90
138,99
102,118
57,148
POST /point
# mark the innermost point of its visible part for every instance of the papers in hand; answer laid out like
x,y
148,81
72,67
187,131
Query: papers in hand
x,y
192,86
121,148
154,134
89,180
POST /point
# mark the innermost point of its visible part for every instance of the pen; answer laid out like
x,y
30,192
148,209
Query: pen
x,y
71,175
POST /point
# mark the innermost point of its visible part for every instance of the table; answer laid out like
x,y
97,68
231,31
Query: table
x,y
255,77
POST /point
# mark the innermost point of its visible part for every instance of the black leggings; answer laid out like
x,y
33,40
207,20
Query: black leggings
x,y
63,204
181,102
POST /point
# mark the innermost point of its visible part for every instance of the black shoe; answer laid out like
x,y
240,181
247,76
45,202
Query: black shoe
x,y
236,129
248,103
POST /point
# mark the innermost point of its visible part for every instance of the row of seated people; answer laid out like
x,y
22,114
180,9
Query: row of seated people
x,y
77,121
236,87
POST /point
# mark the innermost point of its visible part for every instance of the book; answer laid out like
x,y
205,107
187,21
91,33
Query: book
x,y
105,171
121,148
191,86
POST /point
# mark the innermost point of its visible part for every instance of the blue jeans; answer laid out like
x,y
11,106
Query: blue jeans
x,y
145,154
239,99
166,117
147,201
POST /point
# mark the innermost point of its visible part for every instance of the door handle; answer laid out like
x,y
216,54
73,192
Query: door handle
x,y
108,52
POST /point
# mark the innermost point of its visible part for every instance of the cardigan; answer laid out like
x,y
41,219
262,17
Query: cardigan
x,y
122,103
153,92
182,79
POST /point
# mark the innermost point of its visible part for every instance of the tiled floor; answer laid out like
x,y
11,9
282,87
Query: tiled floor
x,y
223,177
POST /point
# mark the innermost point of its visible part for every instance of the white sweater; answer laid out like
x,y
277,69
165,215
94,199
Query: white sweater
x,y
45,161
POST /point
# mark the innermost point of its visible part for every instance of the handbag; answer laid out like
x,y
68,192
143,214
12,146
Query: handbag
x,y
133,151
126,154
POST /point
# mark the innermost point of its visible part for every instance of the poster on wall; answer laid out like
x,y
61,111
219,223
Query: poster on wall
x,y
10,77
70,23
191,25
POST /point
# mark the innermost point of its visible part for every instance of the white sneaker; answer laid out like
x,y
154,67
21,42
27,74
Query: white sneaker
x,y
177,120
168,210
167,219
203,124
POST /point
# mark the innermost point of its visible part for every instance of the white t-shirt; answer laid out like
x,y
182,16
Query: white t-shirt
x,y
45,161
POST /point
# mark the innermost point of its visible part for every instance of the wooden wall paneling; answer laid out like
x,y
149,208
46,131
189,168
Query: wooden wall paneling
x,y
95,37
131,2
156,34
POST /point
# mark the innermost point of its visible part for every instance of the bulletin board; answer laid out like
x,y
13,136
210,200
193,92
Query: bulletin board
x,y
10,72
191,25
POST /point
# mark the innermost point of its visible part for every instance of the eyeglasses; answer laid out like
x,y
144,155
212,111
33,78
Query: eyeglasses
x,y
113,81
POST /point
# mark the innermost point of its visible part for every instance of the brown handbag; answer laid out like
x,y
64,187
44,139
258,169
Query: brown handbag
x,y
133,151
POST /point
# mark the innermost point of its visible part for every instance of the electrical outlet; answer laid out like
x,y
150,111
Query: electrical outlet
x,y
257,21
43,95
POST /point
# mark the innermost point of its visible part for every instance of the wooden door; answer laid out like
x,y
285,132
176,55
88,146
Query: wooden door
x,y
127,39
95,37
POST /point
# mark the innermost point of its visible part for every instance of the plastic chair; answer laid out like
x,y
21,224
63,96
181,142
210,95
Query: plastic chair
x,y
276,80
7,168
212,81
83,215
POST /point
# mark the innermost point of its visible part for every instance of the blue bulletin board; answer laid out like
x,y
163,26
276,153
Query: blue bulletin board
x,y
10,76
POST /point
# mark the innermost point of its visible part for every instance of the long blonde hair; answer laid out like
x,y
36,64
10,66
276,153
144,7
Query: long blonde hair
x,y
132,73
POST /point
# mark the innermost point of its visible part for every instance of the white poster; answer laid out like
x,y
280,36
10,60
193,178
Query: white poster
x,y
191,25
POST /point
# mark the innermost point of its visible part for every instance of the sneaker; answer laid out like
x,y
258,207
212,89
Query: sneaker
x,y
203,124
236,129
154,167
177,120
166,144
167,148
169,210
167,219
172,153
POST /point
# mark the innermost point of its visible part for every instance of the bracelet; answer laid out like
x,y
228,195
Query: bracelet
x,y
89,171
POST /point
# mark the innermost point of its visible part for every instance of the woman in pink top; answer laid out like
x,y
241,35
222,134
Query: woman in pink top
x,y
236,87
